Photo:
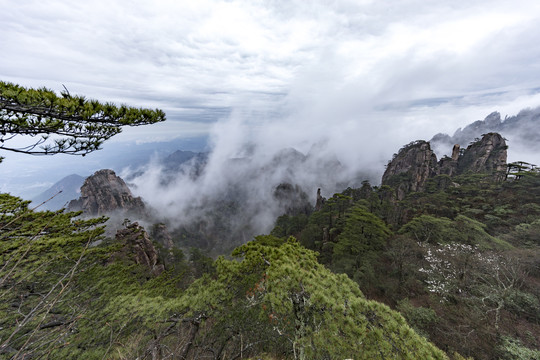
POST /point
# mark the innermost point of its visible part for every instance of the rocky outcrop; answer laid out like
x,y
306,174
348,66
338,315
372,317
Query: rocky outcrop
x,y
523,128
106,193
320,200
449,165
487,155
416,163
137,244
410,169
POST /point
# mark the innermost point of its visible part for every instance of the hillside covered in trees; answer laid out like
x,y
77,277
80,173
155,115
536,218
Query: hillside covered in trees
x,y
455,251
433,263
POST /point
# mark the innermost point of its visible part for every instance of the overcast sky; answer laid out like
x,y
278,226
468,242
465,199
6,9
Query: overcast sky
x,y
283,73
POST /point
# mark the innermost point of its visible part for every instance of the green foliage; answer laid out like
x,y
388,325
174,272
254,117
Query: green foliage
x,y
525,234
66,124
463,230
41,253
63,295
279,298
358,246
200,263
513,349
456,254
419,318
288,225
429,229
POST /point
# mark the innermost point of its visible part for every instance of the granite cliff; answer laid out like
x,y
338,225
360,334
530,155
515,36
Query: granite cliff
x,y
104,193
488,155
416,163
523,128
137,244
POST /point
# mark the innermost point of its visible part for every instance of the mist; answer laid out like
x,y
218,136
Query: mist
x,y
330,139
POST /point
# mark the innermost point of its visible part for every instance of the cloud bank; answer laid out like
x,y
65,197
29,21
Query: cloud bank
x,y
355,79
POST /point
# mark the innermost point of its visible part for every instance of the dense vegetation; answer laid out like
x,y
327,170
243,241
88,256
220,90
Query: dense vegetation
x,y
65,295
459,261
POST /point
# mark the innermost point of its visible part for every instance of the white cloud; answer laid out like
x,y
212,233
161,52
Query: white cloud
x,y
364,76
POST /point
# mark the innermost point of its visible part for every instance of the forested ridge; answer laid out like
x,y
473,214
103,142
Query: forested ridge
x,y
460,264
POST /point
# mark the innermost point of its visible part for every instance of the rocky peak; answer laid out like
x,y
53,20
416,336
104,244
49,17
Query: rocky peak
x,y
455,152
411,168
493,120
416,163
320,200
105,193
487,155
137,244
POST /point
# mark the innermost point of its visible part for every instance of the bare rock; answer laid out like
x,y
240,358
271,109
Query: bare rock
x,y
416,163
320,200
137,244
410,169
488,155
105,193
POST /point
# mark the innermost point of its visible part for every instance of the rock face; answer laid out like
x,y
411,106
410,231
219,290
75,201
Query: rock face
x,y
105,193
320,200
411,168
485,156
416,163
137,244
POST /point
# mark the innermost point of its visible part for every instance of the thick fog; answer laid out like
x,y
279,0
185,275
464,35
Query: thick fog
x,y
334,140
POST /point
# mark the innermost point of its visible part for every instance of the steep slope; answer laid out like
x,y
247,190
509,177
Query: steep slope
x,y
457,256
226,204
416,163
104,193
487,155
411,168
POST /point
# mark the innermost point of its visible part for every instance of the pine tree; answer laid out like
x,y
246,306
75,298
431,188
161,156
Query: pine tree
x,y
62,124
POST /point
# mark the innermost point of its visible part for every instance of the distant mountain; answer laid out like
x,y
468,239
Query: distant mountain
x,y
134,155
216,206
523,127
61,193
39,174
187,162
179,157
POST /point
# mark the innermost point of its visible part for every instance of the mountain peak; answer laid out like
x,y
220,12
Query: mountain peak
x,y
105,192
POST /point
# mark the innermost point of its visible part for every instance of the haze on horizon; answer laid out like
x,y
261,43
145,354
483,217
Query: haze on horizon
x,y
360,77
